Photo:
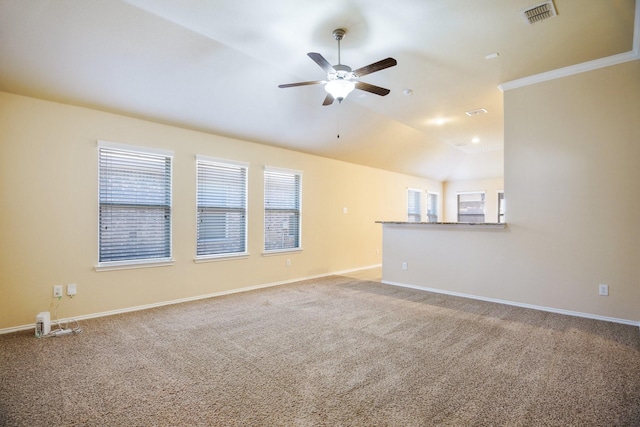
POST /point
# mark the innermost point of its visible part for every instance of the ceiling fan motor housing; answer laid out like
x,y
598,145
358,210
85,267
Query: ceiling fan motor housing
x,y
343,72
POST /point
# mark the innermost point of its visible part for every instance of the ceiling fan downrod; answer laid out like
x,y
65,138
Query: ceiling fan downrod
x,y
338,34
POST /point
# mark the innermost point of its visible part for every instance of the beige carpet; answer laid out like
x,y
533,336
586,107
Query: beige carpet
x,y
330,352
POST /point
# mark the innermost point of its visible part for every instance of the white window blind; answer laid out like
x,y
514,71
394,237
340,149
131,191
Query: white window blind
x,y
501,207
282,202
135,204
432,207
222,208
413,205
471,207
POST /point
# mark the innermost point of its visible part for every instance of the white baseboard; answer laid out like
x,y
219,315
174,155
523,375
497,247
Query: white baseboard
x,y
517,304
194,298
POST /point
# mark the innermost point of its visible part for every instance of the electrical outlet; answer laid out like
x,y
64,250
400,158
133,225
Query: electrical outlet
x,y
405,266
71,289
57,291
345,210
603,290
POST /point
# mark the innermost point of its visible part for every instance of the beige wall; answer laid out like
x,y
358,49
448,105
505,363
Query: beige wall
x,y
48,216
489,186
572,171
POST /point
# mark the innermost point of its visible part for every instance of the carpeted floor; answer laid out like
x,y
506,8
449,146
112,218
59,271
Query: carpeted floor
x,y
330,352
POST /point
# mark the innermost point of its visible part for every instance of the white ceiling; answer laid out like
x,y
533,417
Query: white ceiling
x,y
215,66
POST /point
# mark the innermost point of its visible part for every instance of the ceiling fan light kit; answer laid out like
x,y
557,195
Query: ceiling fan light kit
x,y
339,89
341,79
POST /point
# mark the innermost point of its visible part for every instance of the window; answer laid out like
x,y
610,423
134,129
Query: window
x,y
432,207
471,207
135,204
413,205
282,201
221,199
501,207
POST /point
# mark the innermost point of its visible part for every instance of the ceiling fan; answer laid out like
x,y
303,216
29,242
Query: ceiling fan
x,y
341,79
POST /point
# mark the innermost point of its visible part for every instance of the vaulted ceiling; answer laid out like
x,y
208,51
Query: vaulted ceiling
x,y
215,66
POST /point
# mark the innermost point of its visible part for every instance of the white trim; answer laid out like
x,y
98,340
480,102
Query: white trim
x,y
517,304
131,264
136,148
195,298
438,205
284,170
281,251
472,192
264,209
421,195
498,192
221,161
608,61
220,257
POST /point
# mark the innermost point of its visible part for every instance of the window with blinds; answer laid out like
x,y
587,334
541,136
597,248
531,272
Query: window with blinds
x,y
432,207
282,204
501,207
221,207
413,205
471,207
135,204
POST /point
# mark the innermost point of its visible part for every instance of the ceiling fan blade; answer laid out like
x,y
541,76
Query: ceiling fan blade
x,y
376,66
372,88
323,63
315,82
328,100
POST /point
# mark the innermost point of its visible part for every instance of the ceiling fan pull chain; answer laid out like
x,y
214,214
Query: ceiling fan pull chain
x,y
338,120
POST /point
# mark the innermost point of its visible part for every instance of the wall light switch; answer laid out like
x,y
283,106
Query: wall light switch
x,y
603,290
404,266
345,210
71,289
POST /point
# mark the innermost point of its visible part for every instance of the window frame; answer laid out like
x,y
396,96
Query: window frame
x,y
417,212
135,262
214,161
299,175
427,214
484,206
501,204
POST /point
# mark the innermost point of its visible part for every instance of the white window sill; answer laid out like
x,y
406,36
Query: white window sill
x,y
281,251
128,265
225,257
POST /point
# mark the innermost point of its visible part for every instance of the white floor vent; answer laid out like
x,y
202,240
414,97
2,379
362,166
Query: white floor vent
x,y
539,12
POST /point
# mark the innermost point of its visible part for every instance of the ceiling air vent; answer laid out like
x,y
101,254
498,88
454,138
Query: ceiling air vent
x,y
477,112
539,12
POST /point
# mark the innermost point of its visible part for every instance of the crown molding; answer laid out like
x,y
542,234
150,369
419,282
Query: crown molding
x,y
608,61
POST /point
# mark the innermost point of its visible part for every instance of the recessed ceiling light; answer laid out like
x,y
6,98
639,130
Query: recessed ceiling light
x,y
408,92
476,112
440,121
475,140
492,55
